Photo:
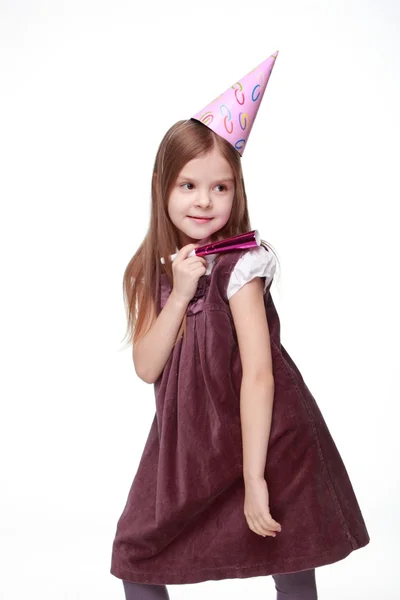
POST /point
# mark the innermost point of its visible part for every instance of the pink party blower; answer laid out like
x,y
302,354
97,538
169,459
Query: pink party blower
x,y
236,242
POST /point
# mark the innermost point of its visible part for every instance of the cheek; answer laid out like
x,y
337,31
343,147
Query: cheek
x,y
173,204
177,207
227,208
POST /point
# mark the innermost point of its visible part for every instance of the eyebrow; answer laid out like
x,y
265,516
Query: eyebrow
x,y
215,180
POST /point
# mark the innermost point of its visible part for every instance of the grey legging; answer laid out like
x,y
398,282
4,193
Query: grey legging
x,y
289,586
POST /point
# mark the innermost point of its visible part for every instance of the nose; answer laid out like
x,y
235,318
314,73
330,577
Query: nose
x,y
203,198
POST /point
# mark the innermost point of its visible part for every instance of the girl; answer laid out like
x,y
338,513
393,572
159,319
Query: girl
x,y
239,476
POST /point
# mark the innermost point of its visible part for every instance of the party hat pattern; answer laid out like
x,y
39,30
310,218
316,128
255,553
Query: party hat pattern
x,y
232,114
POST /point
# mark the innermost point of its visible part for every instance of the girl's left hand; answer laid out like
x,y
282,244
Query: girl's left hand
x,y
256,508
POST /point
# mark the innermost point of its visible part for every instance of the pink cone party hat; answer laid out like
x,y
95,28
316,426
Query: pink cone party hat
x,y
232,114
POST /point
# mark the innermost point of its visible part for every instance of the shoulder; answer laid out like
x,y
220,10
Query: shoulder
x,y
255,262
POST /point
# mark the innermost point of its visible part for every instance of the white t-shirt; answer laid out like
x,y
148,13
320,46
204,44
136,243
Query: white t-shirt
x,y
255,262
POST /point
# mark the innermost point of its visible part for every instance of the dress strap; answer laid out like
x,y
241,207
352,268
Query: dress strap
x,y
223,267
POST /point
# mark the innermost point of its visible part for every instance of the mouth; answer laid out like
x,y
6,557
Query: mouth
x,y
200,219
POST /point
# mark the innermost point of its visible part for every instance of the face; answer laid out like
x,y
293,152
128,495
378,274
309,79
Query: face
x,y
204,188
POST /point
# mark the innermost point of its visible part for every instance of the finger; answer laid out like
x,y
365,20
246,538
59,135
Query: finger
x,y
257,528
267,520
270,524
188,262
195,259
252,525
264,529
185,251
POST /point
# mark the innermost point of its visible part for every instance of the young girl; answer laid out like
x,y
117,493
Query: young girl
x,y
239,476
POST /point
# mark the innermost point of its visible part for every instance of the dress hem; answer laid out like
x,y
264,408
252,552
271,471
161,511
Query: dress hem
x,y
289,565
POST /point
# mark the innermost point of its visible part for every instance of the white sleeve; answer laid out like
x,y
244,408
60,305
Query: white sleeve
x,y
256,262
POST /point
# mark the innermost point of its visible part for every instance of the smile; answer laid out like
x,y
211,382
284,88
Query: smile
x,y
200,219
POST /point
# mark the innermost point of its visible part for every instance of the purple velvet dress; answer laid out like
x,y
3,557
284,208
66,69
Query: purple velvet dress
x,y
183,521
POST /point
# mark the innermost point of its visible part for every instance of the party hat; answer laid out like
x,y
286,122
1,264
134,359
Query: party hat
x,y
232,114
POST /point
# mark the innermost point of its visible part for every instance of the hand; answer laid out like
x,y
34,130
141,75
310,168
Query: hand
x,y
256,508
186,272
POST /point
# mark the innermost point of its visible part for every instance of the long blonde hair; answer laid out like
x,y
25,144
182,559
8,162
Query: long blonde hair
x,y
183,142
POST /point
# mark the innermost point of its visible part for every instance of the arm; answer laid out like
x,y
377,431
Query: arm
x,y
151,352
257,388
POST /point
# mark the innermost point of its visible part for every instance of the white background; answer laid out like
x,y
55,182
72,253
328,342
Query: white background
x,y
87,90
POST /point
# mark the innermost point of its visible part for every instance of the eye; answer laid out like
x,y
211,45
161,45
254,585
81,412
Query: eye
x,y
220,185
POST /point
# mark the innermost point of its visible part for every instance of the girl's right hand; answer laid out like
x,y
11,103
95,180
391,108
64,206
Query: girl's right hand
x,y
187,271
